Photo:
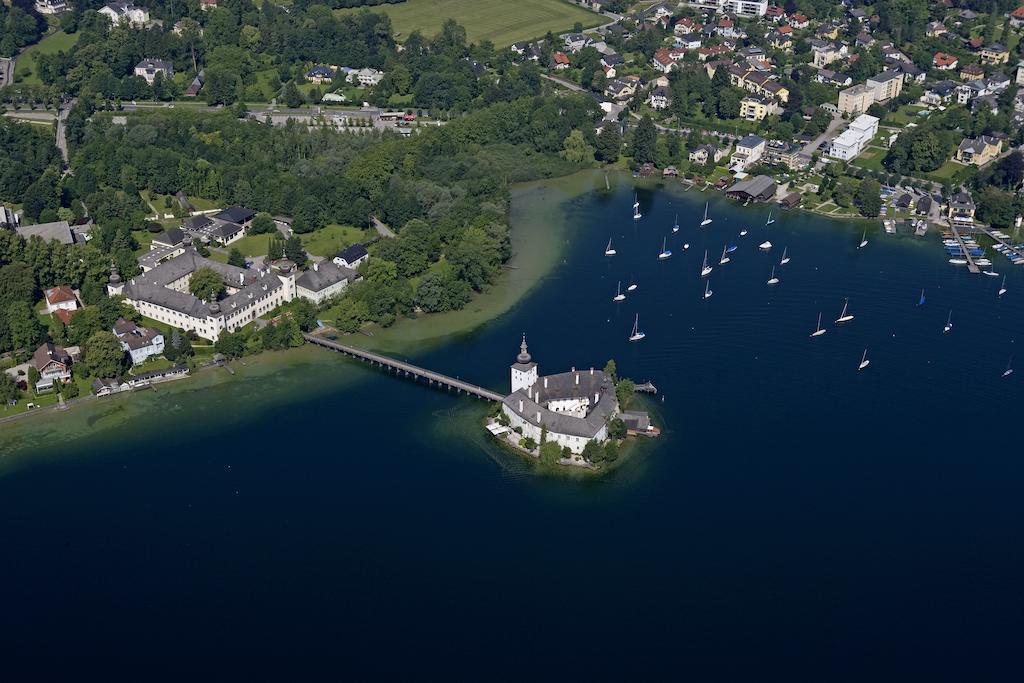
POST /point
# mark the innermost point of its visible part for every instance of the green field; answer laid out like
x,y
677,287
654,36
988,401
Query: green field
x,y
25,70
328,240
503,22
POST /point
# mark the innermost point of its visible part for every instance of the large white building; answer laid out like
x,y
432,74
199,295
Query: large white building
x,y
852,141
741,8
323,281
571,408
123,12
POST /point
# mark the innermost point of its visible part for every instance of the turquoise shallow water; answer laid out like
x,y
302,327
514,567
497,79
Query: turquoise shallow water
x,y
798,520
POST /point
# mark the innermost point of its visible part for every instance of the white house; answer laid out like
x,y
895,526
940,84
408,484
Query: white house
x,y
149,68
852,141
351,257
52,362
61,298
138,342
748,152
51,6
124,12
323,281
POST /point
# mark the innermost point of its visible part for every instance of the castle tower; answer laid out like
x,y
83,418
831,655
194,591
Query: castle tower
x,y
524,370
115,285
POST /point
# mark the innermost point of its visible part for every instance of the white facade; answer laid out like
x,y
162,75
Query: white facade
x,y
51,6
852,141
741,8
125,13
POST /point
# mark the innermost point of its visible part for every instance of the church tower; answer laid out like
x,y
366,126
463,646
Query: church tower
x,y
524,370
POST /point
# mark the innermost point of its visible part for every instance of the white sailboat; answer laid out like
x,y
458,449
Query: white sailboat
x,y
864,362
705,269
773,280
665,251
785,257
706,221
636,334
636,207
844,317
619,296
765,246
725,259
632,287
770,219
609,251
949,324
1002,287
707,289
863,240
1008,371
819,330
675,224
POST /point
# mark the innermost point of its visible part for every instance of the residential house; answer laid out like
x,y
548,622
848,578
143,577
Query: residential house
x,y
686,26
785,153
757,108
748,9
112,385
758,82
239,215
660,98
149,68
726,28
945,61
58,231
52,362
207,5
859,15
124,12
321,74
196,85
51,7
140,343
978,151
60,298
961,209
753,55
712,51
706,153
1017,17
560,61
923,206
994,54
934,29
689,42
780,41
824,53
829,77
857,99
748,152
324,280
972,72
662,60
351,257
774,13
852,141
911,72
620,88
798,20
574,42
939,93
366,78
612,60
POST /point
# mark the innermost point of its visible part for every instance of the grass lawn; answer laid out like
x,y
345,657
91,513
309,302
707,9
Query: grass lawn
x,y
144,238
329,240
253,245
25,70
499,21
906,114
871,158
951,171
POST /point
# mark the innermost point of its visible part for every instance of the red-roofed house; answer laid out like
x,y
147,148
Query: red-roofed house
x,y
561,60
662,60
64,315
61,297
786,30
798,20
1017,17
774,13
945,61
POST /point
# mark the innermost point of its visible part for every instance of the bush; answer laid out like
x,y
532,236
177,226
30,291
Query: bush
x,y
528,443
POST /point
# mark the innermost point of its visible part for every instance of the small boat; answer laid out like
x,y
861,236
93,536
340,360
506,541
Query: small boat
x,y
707,290
785,258
665,251
773,280
1008,371
1002,287
725,259
765,246
819,330
990,273
770,219
706,221
686,245
864,362
675,224
619,296
743,233
949,324
705,269
732,248
632,287
844,317
920,302
636,334
636,207
609,251
863,240
958,261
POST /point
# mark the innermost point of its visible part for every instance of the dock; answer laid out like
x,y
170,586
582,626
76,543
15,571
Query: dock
x,y
1003,242
646,388
971,265
406,369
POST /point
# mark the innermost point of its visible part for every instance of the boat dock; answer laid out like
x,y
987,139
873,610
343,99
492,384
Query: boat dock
x,y
646,388
971,265
406,369
999,240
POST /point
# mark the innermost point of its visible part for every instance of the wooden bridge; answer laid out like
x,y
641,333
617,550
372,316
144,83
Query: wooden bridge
x,y
406,369
971,265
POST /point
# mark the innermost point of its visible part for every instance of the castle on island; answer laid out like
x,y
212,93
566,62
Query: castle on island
x,y
573,407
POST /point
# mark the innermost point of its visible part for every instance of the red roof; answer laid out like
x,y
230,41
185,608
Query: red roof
x,y
774,11
944,59
785,30
60,294
561,58
976,43
1018,13
661,55
725,22
64,315
799,18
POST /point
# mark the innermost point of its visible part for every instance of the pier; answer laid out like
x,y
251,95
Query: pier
x,y
406,369
971,265
647,388
1003,242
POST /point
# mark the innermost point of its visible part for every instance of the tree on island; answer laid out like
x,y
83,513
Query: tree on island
x,y
102,355
206,283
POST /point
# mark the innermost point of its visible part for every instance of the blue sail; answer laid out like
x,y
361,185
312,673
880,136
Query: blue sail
x,y
920,302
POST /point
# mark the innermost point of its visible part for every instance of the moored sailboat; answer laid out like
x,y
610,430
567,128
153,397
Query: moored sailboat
x,y
844,317
636,334
949,324
1008,371
619,296
665,251
773,280
705,269
609,251
675,224
725,259
770,219
863,240
864,362
636,207
707,289
785,257
1002,287
819,330
706,221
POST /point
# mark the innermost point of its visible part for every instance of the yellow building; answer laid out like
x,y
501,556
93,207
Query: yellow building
x,y
978,151
757,108
995,54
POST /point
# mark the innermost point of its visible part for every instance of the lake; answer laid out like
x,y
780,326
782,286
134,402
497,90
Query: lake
x,y
799,518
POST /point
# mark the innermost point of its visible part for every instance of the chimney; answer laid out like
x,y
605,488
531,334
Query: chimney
x,y
538,417
597,397
545,382
520,405
591,372
577,379
316,266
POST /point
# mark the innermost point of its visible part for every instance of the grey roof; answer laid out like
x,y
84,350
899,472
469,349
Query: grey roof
x,y
564,386
59,230
196,222
154,64
323,275
750,141
885,76
352,253
235,214
170,237
977,145
754,187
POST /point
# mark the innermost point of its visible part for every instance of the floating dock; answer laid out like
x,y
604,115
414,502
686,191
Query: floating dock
x,y
971,265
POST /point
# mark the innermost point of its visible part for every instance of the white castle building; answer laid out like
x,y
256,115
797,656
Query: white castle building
x,y
573,407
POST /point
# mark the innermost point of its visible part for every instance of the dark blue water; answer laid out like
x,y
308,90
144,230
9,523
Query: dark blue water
x,y
799,520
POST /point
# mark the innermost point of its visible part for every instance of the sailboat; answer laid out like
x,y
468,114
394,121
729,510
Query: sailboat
x,y
785,257
725,259
770,219
705,269
706,221
665,251
773,280
707,289
1008,371
636,334
844,317
765,246
636,208
819,330
920,302
949,324
632,287
619,296
863,240
675,224
732,248
864,362
609,251
1002,287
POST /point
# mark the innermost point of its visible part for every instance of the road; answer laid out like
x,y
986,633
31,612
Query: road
x,y
62,138
811,147
382,229
562,82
